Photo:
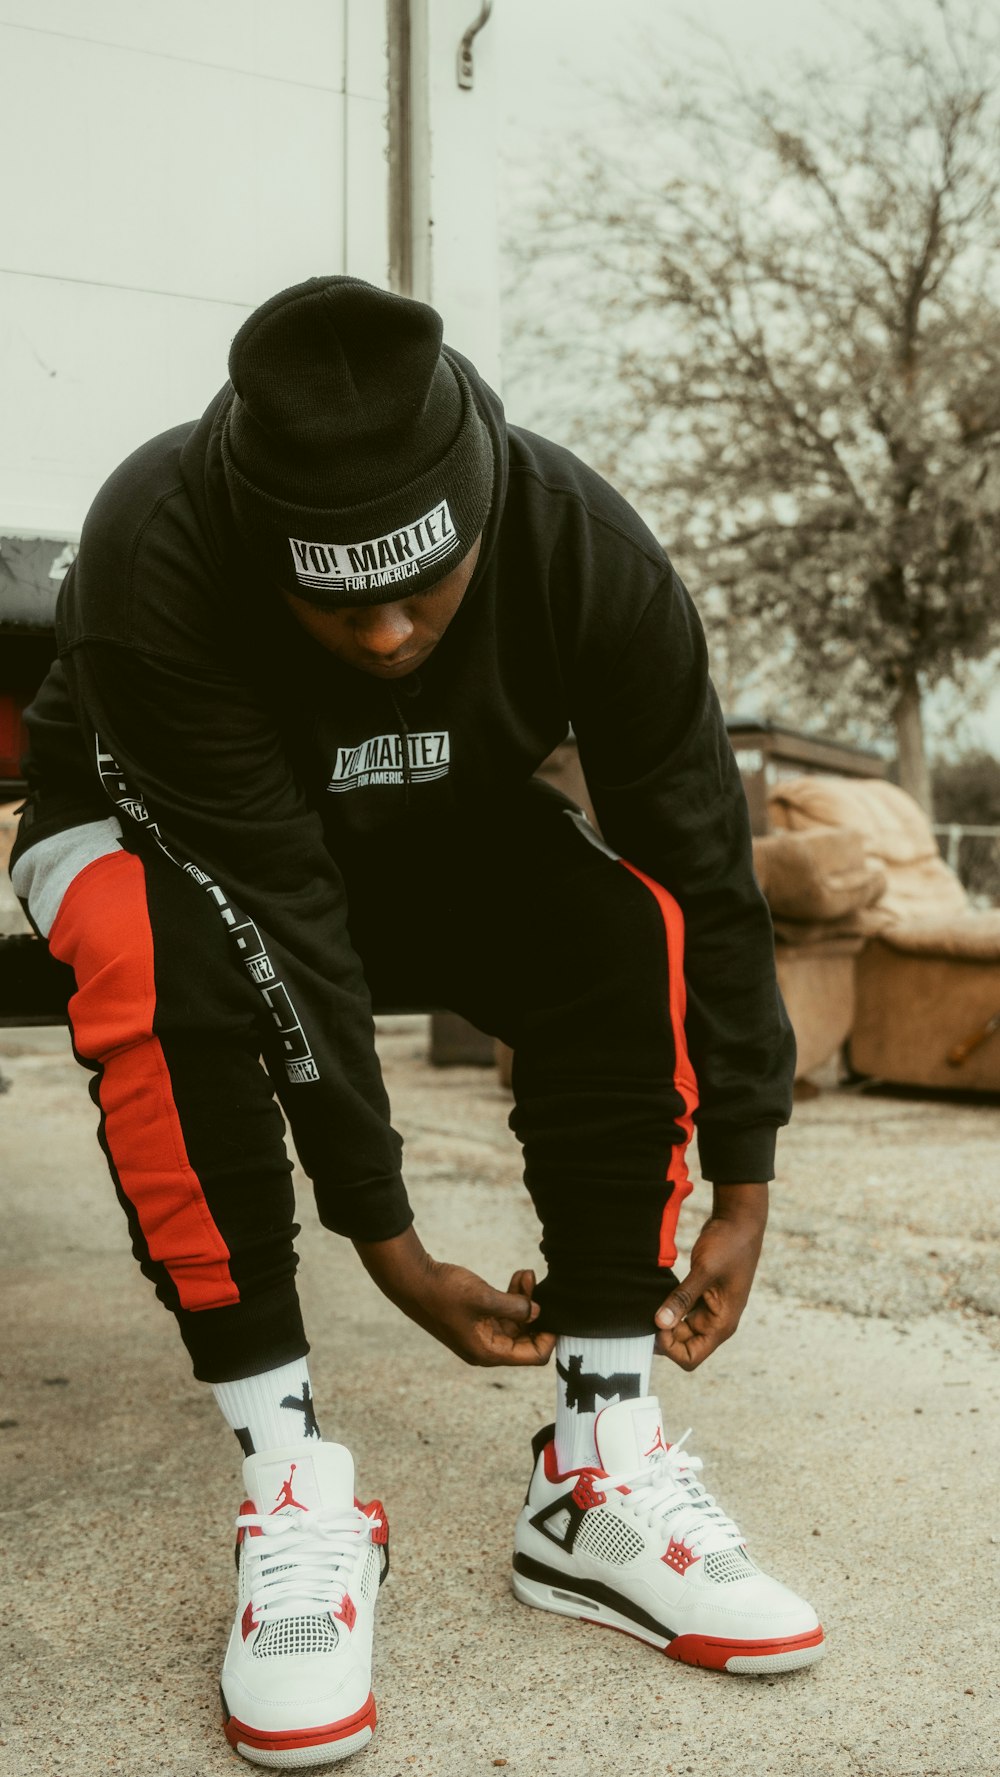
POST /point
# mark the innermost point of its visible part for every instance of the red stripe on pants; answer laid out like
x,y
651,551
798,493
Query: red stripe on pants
x,y
684,1080
103,931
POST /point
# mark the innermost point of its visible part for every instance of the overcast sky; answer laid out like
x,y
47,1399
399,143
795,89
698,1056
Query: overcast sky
x,y
583,36
555,53
555,56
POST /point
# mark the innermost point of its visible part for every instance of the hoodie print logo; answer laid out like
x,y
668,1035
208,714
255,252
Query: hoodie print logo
x,y
379,561
380,760
295,1051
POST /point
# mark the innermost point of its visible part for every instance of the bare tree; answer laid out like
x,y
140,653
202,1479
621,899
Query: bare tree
x,y
784,344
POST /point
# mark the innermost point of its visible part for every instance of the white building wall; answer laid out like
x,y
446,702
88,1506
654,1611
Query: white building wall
x,y
456,239
162,171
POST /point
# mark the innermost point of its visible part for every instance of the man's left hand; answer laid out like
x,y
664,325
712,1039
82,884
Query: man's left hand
x,y
705,1308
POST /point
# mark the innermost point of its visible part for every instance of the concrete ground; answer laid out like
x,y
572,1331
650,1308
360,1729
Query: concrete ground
x,y
851,1428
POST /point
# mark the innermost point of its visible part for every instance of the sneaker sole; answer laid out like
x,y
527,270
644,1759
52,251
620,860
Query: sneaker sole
x,y
747,1658
298,1749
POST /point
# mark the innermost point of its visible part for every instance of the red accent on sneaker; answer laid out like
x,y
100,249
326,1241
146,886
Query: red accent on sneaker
x,y
246,1510
285,1496
657,1444
711,1651
553,1472
585,1494
345,1611
679,1556
247,1623
375,1509
295,1737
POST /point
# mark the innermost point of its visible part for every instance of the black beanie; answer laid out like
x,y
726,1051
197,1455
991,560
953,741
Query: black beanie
x,y
358,467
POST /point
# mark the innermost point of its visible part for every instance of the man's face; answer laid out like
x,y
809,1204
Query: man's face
x,y
389,641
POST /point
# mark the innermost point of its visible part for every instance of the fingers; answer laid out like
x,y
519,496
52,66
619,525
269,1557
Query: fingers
x,y
522,1284
504,1340
687,1347
673,1332
679,1303
529,1349
691,1341
690,1327
482,1325
514,1306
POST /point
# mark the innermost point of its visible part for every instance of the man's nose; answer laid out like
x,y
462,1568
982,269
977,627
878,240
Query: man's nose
x,y
383,630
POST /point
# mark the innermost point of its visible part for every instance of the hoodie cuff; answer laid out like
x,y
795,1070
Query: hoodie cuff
x,y
738,1156
374,1209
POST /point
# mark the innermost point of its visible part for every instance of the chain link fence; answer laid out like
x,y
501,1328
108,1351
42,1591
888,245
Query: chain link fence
x,y
974,855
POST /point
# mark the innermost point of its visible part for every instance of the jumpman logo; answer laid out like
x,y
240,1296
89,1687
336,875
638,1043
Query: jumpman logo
x,y
306,1407
657,1443
285,1496
584,1386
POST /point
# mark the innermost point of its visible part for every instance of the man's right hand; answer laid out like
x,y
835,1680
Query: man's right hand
x,y
480,1324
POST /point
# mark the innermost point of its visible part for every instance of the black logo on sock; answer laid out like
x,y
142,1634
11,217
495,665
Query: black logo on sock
x,y
305,1405
584,1386
246,1441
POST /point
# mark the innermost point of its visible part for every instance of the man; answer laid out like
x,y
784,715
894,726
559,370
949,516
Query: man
x,y
311,653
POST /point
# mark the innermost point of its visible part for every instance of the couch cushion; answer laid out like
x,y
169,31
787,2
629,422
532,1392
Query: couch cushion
x,y
974,937
889,821
819,875
895,832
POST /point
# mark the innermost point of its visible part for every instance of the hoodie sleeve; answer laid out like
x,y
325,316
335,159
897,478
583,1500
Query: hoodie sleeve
x,y
668,795
195,764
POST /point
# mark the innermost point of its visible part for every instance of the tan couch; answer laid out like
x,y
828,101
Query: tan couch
x,y
821,889
895,835
820,886
927,982
875,942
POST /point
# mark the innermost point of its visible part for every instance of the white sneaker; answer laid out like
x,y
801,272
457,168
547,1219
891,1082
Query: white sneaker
x,y
637,1544
297,1679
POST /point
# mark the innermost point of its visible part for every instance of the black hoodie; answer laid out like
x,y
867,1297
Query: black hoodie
x,y
187,692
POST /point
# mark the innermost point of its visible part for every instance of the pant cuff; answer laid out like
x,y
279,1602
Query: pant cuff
x,y
246,1338
617,1314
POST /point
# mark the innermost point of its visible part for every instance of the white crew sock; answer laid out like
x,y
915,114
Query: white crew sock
x,y
271,1409
590,1374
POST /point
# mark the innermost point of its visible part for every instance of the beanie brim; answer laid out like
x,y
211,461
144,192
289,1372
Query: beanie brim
x,y
385,549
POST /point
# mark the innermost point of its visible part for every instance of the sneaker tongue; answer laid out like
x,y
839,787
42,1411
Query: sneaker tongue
x,y
300,1478
628,1433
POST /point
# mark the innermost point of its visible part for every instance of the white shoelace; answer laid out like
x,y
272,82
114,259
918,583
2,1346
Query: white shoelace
x,y
302,1562
664,1491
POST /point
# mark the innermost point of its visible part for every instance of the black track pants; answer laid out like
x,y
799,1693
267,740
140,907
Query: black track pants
x,y
514,916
